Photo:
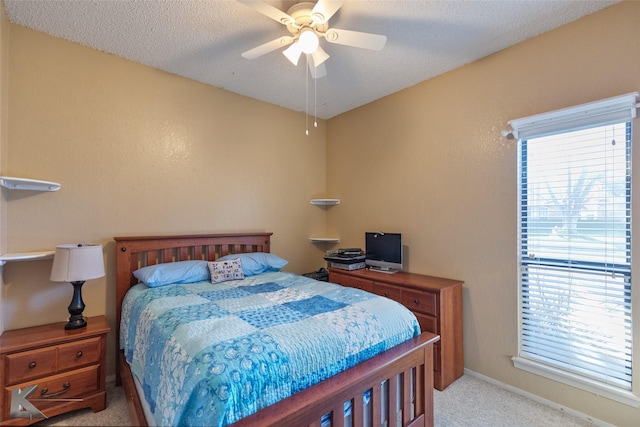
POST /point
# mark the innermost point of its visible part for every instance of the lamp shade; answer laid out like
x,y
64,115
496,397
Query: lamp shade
x,y
77,263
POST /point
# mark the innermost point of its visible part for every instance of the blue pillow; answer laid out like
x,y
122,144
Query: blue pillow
x,y
173,272
257,262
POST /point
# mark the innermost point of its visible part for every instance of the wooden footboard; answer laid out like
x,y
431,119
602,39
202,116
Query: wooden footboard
x,y
398,382
403,367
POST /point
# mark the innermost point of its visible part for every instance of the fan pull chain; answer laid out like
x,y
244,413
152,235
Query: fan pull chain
x,y
306,110
315,102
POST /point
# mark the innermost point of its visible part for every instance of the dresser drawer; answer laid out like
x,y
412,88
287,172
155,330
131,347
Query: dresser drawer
x,y
424,302
388,291
51,389
31,364
77,354
352,282
427,323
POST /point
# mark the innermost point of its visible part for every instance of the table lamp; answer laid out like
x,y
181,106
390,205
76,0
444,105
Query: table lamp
x,y
76,263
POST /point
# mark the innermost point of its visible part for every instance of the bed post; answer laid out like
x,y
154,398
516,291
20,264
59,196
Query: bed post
x,y
123,283
428,386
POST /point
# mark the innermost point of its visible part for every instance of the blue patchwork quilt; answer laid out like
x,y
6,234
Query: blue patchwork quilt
x,y
210,354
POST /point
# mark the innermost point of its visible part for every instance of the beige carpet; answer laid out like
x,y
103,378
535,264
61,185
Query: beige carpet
x,y
468,402
472,402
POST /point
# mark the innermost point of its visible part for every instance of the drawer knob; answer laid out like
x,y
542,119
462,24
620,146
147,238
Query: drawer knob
x,y
32,365
415,301
386,294
65,387
78,355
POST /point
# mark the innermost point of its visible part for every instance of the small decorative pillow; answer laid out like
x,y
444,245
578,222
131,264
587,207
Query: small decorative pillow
x,y
221,271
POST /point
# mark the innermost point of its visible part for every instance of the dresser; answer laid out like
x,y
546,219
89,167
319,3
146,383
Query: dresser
x,y
67,366
437,304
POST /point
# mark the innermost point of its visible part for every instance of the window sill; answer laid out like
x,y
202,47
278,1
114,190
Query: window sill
x,y
592,386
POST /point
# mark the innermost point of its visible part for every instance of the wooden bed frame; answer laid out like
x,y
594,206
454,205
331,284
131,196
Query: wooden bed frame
x,y
408,367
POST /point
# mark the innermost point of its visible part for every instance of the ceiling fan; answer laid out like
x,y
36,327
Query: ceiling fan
x,y
306,22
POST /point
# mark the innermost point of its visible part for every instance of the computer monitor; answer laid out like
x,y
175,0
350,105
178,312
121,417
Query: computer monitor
x,y
383,251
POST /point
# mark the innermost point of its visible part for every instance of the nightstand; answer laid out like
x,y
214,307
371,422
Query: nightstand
x,y
67,366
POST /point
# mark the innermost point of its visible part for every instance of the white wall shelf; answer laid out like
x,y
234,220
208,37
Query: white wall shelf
x,y
324,240
325,202
25,256
13,183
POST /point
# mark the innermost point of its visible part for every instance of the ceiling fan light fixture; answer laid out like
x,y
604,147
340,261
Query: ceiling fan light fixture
x,y
308,41
319,56
293,53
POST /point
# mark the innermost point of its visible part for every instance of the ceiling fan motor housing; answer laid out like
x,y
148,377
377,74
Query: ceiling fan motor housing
x,y
301,13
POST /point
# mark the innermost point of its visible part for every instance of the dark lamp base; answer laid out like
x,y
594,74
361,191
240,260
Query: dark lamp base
x,y
76,323
76,320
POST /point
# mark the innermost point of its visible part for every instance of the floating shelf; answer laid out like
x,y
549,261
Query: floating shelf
x,y
324,239
325,202
25,256
28,184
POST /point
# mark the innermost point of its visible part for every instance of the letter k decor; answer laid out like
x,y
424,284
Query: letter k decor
x,y
21,407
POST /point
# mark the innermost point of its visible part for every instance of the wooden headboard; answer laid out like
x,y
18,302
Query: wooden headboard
x,y
139,251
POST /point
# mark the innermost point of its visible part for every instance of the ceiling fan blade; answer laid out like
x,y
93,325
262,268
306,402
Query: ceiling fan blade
x,y
293,53
269,11
317,72
324,10
319,56
267,47
356,39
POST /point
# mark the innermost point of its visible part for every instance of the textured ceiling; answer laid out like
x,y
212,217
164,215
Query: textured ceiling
x,y
203,39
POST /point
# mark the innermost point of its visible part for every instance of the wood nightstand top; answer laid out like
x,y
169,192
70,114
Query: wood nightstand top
x,y
53,333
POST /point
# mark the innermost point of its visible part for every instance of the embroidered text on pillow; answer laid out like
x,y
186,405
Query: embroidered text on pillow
x,y
221,271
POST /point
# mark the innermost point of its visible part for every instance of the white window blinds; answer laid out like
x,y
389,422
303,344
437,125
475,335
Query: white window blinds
x,y
575,240
618,109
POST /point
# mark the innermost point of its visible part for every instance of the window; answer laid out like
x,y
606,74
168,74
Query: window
x,y
575,245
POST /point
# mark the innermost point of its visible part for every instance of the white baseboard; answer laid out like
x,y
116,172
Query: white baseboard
x,y
538,399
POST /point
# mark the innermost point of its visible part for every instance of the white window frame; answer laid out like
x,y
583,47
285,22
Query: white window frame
x,y
600,113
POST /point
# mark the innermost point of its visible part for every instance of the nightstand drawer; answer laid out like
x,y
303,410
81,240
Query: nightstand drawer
x,y
424,302
51,389
77,354
31,364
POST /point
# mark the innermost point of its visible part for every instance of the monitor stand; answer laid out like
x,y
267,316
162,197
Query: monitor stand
x,y
385,270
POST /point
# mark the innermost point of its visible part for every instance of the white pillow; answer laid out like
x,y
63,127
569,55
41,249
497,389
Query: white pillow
x,y
221,271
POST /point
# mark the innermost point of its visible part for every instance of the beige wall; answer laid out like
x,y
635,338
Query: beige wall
x,y
138,151
430,162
